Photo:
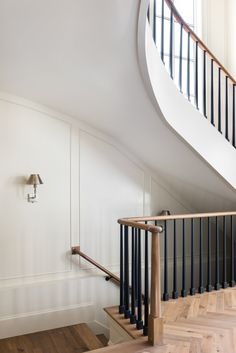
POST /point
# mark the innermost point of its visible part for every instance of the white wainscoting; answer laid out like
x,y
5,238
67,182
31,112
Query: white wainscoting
x,y
89,182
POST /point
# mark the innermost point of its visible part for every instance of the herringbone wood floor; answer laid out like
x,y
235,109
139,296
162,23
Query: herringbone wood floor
x,y
204,323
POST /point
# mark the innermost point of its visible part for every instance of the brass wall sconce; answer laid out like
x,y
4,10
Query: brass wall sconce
x,y
34,180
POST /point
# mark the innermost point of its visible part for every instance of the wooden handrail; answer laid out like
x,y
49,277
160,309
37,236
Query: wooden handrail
x,y
135,220
75,250
196,39
132,222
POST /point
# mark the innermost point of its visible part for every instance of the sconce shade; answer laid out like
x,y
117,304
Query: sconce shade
x,y
34,179
165,213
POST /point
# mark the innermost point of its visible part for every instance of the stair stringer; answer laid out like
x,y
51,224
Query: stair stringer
x,y
177,112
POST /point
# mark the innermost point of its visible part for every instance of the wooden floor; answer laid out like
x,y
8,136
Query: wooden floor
x,y
72,339
203,323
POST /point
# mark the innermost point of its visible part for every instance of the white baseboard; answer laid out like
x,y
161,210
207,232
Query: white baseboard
x,y
45,320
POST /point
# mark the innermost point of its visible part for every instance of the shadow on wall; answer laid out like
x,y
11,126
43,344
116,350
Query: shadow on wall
x,y
20,183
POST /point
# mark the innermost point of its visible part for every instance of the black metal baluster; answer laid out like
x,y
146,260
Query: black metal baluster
x,y
192,289
126,264
196,76
232,281
204,86
212,93
201,289
224,282
166,293
133,287
188,68
181,60
175,289
219,101
139,322
183,291
217,258
162,30
136,266
233,117
171,43
146,290
154,21
209,286
227,108
122,306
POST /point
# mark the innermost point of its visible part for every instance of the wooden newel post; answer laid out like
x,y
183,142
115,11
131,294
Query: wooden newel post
x,y
155,324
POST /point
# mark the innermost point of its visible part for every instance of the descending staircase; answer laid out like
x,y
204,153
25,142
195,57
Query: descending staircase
x,y
78,338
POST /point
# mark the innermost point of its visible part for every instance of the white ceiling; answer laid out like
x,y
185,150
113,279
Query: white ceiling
x,y
79,57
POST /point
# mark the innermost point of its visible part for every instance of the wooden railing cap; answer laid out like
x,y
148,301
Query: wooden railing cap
x,y
135,224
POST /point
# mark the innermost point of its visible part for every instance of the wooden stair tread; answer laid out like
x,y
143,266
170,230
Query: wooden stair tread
x,y
102,338
72,339
88,337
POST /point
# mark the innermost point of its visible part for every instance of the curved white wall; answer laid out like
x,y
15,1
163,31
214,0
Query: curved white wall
x,y
179,113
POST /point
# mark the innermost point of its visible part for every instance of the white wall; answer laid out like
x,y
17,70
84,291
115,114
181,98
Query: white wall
x,y
214,27
89,182
231,30
219,26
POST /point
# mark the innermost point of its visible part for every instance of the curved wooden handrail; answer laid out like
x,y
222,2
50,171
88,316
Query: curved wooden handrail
x,y
135,220
196,39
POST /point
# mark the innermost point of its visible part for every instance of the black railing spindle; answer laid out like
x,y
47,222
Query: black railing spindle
x,y
139,322
209,286
126,265
224,282
232,271
146,290
154,21
204,86
166,292
133,278
121,307
188,68
192,289
219,100
233,117
212,93
201,289
175,289
196,75
171,43
136,267
217,257
162,29
227,108
183,291
181,60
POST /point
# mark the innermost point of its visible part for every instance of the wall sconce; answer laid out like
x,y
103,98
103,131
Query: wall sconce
x,y
34,180
165,213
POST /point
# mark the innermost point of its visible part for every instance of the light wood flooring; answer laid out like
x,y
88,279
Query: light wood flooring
x,y
203,323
